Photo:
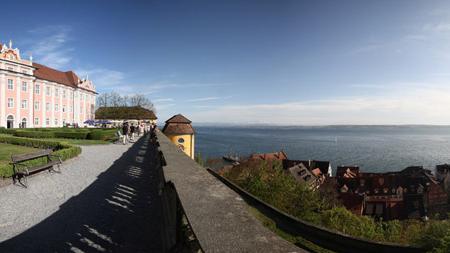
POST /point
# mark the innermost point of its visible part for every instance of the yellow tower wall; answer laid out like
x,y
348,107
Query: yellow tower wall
x,y
188,144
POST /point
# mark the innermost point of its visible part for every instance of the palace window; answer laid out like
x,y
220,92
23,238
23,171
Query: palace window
x,y
47,107
10,102
47,121
56,107
37,89
24,104
24,86
36,106
36,121
56,122
64,93
48,91
56,92
64,108
10,84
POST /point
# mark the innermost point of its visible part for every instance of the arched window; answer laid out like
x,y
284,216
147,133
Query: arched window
x,y
24,123
10,121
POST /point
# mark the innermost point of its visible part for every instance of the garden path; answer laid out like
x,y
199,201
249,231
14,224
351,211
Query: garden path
x,y
106,199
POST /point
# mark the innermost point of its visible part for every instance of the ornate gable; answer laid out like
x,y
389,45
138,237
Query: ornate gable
x,y
9,53
87,85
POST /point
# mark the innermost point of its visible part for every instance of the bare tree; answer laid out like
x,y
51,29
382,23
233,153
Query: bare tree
x,y
102,100
125,100
114,99
142,101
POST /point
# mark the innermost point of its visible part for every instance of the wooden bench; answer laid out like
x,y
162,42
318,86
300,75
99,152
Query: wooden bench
x,y
22,170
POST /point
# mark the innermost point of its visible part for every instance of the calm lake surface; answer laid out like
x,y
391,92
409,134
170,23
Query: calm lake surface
x,y
373,148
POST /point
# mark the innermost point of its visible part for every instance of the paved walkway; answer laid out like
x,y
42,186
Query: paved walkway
x,y
105,200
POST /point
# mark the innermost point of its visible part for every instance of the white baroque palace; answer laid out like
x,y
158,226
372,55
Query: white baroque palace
x,y
34,95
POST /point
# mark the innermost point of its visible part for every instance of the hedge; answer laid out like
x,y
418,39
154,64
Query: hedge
x,y
34,134
7,130
71,135
102,134
62,149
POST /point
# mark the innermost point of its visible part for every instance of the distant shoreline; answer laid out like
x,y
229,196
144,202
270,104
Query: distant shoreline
x,y
312,126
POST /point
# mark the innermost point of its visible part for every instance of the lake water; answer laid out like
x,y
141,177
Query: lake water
x,y
373,148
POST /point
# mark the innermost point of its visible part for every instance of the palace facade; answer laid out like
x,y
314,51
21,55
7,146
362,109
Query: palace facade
x,y
34,95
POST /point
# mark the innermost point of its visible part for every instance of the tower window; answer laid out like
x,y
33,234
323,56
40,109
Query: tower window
x,y
180,140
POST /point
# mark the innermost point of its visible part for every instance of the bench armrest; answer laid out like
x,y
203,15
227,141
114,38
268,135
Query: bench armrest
x,y
58,156
19,164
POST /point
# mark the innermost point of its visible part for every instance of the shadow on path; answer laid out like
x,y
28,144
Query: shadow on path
x,y
119,212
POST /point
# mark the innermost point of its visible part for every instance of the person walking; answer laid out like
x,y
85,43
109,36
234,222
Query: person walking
x,y
141,129
125,133
132,130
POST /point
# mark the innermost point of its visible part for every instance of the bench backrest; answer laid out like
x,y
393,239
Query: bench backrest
x,y
30,156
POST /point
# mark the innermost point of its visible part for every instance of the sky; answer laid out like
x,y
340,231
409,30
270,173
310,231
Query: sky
x,y
253,61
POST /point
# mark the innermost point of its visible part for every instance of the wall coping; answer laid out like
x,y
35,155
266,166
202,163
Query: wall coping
x,y
218,216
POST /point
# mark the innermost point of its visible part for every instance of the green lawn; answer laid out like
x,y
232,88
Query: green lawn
x,y
6,150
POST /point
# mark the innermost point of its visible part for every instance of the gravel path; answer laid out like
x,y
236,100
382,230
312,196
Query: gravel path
x,y
104,200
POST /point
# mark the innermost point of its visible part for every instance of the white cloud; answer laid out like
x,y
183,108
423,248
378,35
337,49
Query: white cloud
x,y
48,45
162,100
366,48
438,28
410,106
103,78
163,107
203,99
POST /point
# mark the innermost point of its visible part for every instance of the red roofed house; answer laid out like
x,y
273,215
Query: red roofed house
x,y
269,156
34,95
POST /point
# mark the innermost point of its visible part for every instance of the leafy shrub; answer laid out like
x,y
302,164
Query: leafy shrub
x,y
435,235
270,183
443,246
102,134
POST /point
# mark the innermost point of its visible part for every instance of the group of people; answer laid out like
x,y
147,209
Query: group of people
x,y
130,131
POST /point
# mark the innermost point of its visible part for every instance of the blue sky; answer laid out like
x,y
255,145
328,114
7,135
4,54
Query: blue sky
x,y
278,62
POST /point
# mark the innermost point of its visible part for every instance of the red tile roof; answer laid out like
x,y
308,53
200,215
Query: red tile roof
x,y
269,156
68,78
